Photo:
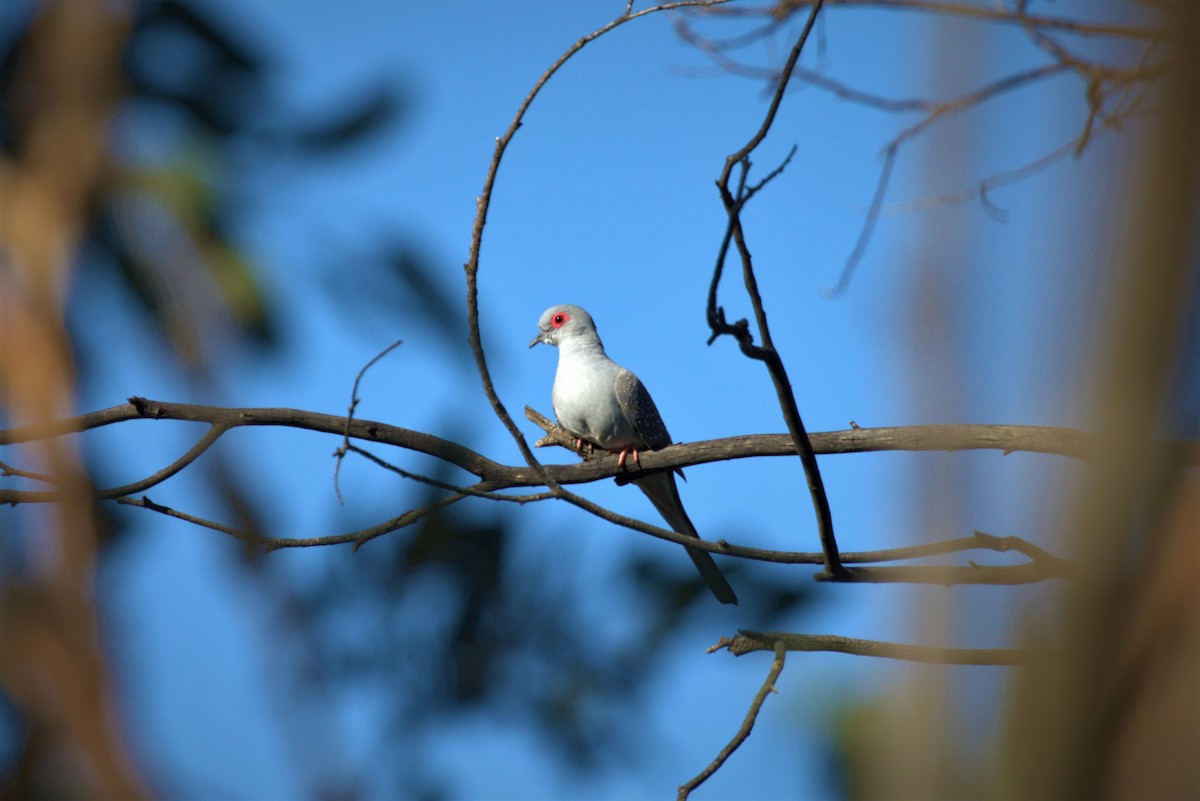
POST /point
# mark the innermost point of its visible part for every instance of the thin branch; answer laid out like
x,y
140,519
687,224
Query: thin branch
x,y
767,352
982,188
433,482
356,538
868,227
1103,83
768,687
715,50
340,453
980,12
144,502
8,471
953,575
1035,571
752,641
193,453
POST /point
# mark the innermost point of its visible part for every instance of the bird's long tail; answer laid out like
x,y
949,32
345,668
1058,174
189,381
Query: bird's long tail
x,y
662,491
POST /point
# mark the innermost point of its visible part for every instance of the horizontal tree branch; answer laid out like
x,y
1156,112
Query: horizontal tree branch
x,y
493,477
496,476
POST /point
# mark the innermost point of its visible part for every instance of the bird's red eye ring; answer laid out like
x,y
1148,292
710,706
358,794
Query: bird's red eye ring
x,y
558,319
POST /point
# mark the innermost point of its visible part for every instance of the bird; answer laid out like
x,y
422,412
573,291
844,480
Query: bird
x,y
605,405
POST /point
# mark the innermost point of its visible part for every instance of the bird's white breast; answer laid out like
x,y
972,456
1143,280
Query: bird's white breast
x,y
585,400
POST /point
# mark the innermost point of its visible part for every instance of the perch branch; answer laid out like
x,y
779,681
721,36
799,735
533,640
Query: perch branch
x,y
494,477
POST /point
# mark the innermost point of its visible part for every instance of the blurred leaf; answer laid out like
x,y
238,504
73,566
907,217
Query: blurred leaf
x,y
366,117
149,249
409,286
238,282
230,53
179,55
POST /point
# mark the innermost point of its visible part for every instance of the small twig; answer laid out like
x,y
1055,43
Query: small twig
x,y
952,575
340,453
356,538
980,12
752,641
868,227
215,431
144,502
986,185
433,482
7,471
768,687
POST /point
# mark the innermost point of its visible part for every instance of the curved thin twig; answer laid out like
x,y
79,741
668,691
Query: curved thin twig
x,y
768,687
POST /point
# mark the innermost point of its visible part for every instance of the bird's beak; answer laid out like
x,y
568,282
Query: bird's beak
x,y
537,339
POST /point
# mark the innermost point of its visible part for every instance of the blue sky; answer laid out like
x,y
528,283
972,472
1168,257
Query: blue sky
x,y
606,199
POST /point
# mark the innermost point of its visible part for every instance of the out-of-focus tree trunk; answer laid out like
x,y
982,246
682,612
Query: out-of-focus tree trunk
x,y
52,665
1118,716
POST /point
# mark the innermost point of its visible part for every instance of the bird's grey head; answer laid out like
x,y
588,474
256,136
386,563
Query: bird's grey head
x,y
563,322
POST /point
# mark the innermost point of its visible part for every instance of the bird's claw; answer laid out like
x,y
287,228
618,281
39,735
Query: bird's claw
x,y
624,452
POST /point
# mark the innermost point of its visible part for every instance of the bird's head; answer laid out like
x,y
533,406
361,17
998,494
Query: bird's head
x,y
560,323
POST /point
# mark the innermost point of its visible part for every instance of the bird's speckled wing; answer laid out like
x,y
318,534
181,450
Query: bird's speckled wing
x,y
640,411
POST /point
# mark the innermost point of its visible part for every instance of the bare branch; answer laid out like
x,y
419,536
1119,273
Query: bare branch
x,y
751,641
203,444
1007,439
494,477
768,687
767,353
981,12
1113,93
953,575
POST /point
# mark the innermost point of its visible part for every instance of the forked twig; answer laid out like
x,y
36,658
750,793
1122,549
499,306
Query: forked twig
x,y
766,353
768,687
340,453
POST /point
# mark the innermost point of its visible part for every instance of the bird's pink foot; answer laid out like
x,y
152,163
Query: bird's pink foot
x,y
624,452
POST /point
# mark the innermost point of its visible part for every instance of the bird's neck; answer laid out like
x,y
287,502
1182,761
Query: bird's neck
x,y
582,347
